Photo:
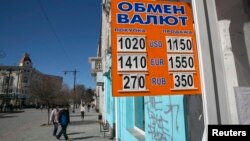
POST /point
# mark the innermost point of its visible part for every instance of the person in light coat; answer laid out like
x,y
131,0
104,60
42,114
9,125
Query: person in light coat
x,y
82,110
54,119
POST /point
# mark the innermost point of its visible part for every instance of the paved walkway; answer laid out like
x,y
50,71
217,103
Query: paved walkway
x,y
26,125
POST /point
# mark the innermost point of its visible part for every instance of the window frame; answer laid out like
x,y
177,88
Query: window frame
x,y
141,131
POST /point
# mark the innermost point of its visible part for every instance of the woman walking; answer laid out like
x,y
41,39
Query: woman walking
x,y
82,111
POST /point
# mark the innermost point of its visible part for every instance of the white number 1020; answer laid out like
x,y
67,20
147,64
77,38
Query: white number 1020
x,y
131,43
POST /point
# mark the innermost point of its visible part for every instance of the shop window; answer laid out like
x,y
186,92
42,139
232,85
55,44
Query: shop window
x,y
139,113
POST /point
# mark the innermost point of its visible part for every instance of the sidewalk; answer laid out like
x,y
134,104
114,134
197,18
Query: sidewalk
x,y
26,125
87,129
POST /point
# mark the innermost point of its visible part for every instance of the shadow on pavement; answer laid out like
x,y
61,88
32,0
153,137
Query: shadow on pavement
x,y
83,122
75,115
80,138
46,125
90,115
86,115
3,116
74,133
13,112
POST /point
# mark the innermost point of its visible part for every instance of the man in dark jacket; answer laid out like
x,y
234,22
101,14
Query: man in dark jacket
x,y
64,120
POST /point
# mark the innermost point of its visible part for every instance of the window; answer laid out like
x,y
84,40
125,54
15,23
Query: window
x,y
25,79
139,113
6,80
98,65
11,80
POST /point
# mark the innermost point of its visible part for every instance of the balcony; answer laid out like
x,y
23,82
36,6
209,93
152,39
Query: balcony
x,y
96,65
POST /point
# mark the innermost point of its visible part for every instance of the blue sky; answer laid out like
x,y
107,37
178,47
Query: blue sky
x,y
58,34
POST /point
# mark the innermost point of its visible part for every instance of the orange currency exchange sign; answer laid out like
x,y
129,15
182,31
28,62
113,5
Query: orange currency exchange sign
x,y
153,49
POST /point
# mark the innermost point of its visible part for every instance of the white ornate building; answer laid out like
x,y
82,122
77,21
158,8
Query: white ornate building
x,y
15,80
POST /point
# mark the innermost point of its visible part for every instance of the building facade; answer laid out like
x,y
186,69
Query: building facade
x,y
222,32
15,81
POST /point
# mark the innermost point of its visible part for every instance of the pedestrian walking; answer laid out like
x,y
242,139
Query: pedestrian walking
x,y
82,111
1,107
89,106
41,107
54,119
64,120
4,107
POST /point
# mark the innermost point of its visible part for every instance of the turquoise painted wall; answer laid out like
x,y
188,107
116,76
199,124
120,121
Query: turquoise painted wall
x,y
164,115
164,119
125,119
109,100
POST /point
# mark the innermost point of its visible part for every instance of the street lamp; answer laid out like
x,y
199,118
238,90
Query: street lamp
x,y
74,73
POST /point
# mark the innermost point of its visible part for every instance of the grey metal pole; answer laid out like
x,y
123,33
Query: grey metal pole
x,y
218,64
74,73
210,108
208,89
75,80
74,90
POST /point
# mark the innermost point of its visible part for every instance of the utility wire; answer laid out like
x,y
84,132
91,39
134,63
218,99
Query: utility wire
x,y
54,32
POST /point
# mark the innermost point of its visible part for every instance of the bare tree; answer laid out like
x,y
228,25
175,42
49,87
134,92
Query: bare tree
x,y
88,96
79,92
63,97
45,91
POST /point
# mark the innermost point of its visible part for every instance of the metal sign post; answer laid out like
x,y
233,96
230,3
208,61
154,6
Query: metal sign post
x,y
214,97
